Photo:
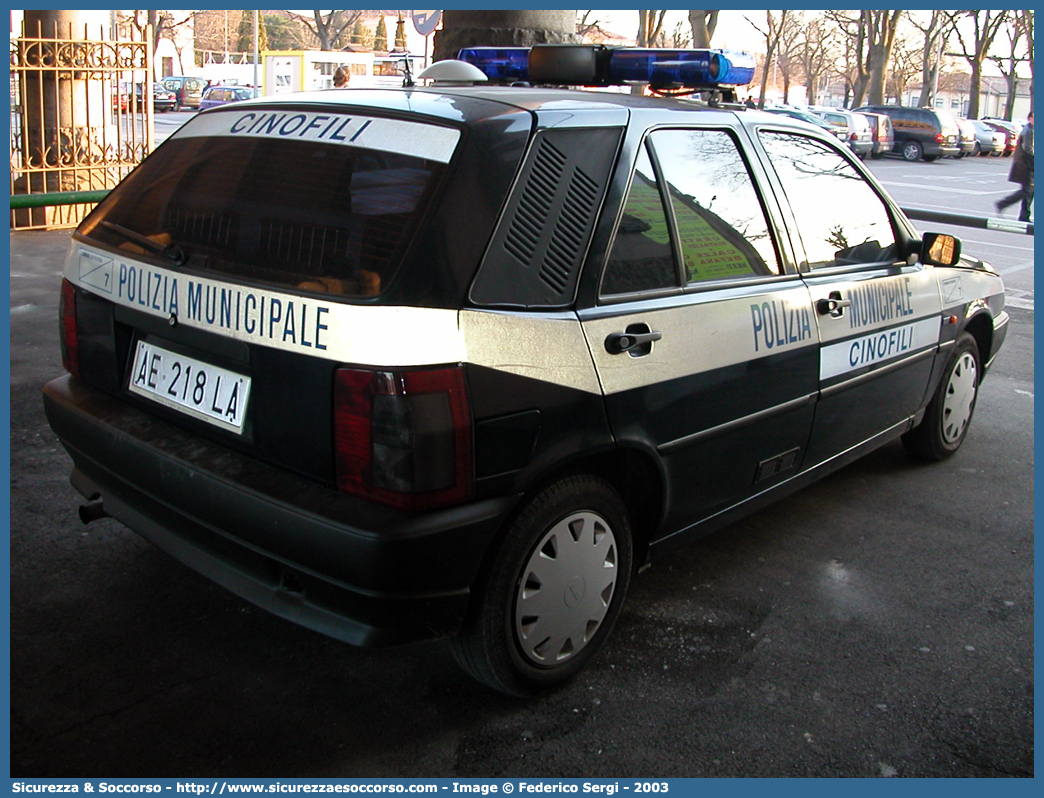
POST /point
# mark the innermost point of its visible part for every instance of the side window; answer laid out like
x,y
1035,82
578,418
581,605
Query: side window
x,y
721,223
641,258
840,218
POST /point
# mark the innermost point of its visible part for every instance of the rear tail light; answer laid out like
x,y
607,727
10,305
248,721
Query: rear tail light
x,y
69,336
403,438
940,138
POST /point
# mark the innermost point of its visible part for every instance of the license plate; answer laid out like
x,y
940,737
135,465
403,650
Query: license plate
x,y
199,389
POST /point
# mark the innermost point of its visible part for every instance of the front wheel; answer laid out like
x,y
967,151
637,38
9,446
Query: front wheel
x,y
946,420
553,590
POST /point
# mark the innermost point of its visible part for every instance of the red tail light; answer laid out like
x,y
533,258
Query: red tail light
x,y
403,438
69,337
939,137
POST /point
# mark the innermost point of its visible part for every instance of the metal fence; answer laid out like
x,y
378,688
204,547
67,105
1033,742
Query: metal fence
x,y
79,122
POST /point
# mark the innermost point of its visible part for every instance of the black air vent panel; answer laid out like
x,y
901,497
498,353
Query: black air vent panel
x,y
538,250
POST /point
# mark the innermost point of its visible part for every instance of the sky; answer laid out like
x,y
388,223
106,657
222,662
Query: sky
x,y
734,32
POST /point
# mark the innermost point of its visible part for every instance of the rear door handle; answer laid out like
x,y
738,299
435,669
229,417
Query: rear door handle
x,y
618,343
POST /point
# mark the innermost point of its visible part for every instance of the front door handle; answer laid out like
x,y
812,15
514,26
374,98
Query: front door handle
x,y
833,305
633,342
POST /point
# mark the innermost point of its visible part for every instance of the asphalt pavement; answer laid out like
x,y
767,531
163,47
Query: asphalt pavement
x,y
876,624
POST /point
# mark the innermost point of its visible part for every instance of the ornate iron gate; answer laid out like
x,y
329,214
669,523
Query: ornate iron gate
x,y
78,120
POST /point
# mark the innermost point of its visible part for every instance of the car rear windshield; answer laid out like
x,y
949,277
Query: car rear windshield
x,y
308,215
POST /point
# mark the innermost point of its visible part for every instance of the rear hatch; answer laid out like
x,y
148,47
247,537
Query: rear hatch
x,y
222,285
950,133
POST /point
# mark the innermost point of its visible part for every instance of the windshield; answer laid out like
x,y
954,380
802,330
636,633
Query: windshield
x,y
310,215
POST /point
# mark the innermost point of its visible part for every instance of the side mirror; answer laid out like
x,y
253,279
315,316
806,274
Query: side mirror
x,y
940,249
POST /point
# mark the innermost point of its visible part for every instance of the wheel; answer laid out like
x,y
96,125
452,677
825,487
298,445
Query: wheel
x,y
552,591
949,413
912,151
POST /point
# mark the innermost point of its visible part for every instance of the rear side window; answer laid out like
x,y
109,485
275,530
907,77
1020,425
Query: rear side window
x,y
713,215
304,214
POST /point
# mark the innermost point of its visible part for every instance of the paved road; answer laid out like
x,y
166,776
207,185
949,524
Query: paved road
x,y
967,186
879,623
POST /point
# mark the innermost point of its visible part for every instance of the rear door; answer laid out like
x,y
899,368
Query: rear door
x,y
704,342
878,316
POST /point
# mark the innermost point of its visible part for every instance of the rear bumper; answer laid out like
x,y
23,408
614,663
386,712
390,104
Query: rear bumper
x,y
361,573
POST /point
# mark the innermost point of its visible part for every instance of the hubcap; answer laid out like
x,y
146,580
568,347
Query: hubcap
x,y
566,588
960,398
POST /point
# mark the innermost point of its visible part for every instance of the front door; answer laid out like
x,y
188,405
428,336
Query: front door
x,y
878,316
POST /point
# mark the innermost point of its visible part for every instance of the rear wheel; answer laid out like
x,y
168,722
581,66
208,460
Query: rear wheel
x,y
553,590
946,420
912,151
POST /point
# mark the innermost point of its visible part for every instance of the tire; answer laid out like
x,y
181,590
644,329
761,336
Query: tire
x,y
912,151
949,413
552,590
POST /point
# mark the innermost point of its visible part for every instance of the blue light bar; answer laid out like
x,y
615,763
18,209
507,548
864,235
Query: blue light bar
x,y
597,65
681,68
498,63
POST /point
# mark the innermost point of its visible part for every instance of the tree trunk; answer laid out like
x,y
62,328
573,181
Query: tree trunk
x,y
502,29
703,24
976,87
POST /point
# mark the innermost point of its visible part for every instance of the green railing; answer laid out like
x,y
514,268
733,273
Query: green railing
x,y
19,201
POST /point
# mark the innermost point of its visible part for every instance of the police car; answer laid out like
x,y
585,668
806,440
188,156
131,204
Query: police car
x,y
456,360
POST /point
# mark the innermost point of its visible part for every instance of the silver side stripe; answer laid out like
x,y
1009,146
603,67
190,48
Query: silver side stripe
x,y
546,348
549,349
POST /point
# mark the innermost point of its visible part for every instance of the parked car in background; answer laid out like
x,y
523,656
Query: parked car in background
x,y
162,99
965,137
804,116
855,129
838,124
121,98
881,132
988,140
223,95
920,132
1010,131
187,90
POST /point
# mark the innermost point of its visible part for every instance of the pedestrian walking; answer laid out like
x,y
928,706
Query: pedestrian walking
x,y
1022,173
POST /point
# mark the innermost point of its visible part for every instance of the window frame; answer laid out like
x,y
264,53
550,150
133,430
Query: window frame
x,y
767,200
901,230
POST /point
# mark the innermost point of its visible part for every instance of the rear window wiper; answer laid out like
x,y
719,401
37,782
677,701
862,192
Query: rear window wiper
x,y
171,251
